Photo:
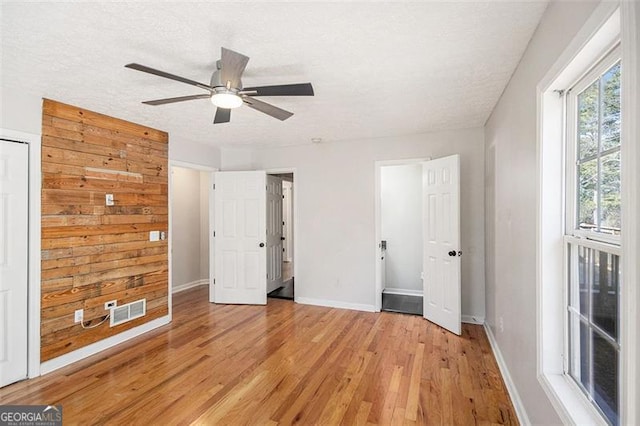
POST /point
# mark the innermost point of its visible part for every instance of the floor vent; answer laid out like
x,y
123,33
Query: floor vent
x,y
128,312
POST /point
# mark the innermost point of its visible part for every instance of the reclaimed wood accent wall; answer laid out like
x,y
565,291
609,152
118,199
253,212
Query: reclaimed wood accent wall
x,y
93,253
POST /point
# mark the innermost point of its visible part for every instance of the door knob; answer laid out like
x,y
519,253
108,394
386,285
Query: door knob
x,y
261,244
452,253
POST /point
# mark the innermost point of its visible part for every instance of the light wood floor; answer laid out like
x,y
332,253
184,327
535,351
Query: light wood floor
x,y
281,363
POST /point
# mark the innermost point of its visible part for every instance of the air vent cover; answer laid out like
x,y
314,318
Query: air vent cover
x,y
128,312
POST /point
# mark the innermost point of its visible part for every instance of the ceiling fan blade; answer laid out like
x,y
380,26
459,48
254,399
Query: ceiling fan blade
x,y
268,109
223,115
178,99
233,65
154,71
302,89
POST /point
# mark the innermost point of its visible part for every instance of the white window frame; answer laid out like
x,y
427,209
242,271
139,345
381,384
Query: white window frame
x,y
609,22
610,58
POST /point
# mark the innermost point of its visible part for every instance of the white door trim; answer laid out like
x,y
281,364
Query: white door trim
x,y
378,220
202,168
33,361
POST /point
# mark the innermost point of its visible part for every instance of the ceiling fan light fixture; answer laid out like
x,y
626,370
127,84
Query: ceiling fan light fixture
x,y
226,100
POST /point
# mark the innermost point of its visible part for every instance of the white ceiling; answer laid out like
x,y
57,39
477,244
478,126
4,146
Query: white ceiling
x,y
378,69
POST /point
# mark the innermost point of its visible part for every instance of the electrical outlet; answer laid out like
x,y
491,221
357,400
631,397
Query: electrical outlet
x,y
108,198
110,304
79,315
501,324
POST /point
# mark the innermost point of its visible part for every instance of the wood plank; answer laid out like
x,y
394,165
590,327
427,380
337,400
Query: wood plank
x,y
63,156
69,182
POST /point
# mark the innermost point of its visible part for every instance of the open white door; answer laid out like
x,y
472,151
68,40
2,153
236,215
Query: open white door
x,y
14,204
274,233
441,230
240,252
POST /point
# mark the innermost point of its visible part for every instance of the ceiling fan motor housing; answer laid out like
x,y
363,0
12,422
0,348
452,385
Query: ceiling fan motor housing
x,y
217,83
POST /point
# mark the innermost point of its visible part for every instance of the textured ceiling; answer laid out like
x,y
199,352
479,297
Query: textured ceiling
x,y
378,69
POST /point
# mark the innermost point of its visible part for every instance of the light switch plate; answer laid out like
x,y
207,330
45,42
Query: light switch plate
x,y
154,235
109,199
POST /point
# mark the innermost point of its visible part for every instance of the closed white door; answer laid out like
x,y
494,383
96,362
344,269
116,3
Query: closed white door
x,y
441,231
274,233
240,249
14,204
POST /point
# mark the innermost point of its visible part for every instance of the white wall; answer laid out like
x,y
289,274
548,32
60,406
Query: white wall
x,y
186,227
401,225
511,207
335,244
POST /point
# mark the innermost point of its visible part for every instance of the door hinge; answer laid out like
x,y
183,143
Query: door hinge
x,y
214,186
214,280
214,234
283,197
283,223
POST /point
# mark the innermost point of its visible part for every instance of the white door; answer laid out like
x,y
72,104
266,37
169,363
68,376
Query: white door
x,y
441,230
274,233
287,218
240,252
14,160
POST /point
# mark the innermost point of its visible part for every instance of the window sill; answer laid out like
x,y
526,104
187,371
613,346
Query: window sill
x,y
570,403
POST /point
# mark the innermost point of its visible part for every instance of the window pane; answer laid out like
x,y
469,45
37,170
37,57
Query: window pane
x,y
604,293
605,377
584,274
588,121
585,354
611,108
574,346
610,193
587,194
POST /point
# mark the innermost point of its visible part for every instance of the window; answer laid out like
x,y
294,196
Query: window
x,y
592,236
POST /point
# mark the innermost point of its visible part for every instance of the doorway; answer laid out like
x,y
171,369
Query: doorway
x,y
417,215
401,232
190,239
286,287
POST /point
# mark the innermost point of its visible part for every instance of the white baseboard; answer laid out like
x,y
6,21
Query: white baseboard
x,y
186,286
473,319
403,292
94,348
335,304
523,418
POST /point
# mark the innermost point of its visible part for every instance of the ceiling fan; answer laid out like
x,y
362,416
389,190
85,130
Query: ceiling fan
x,y
226,91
